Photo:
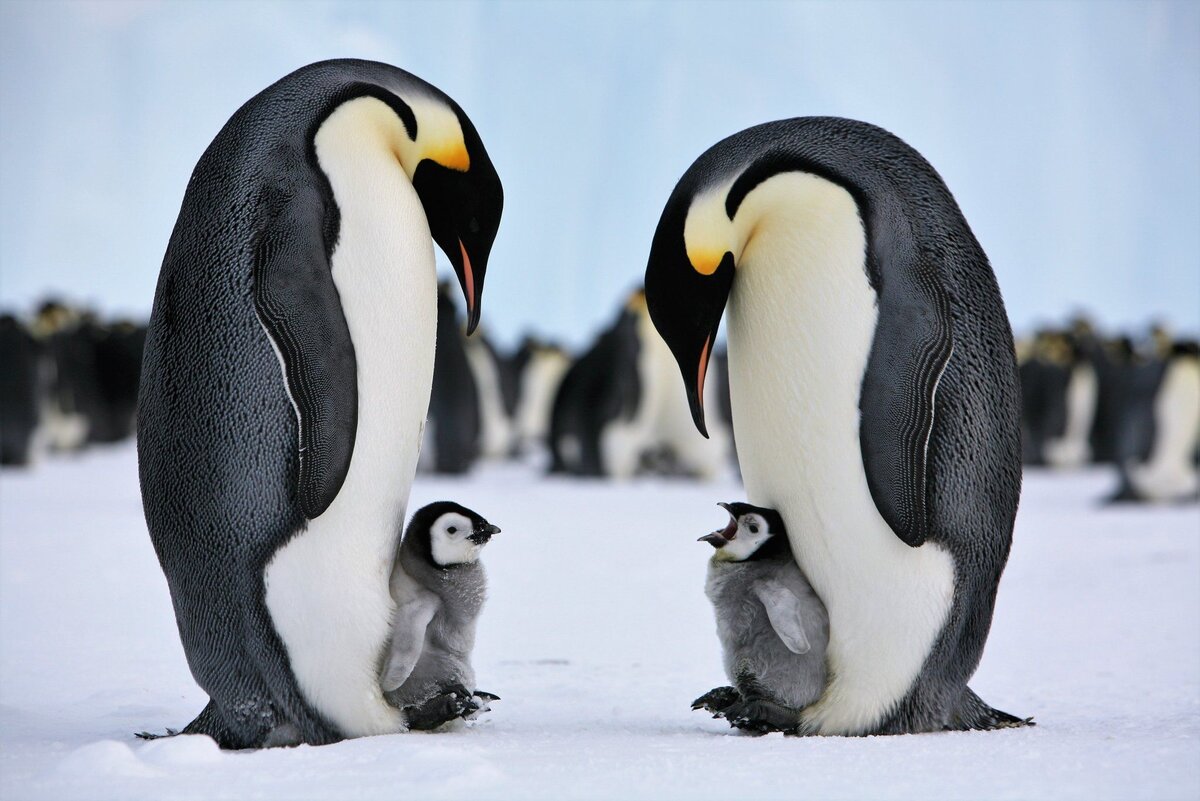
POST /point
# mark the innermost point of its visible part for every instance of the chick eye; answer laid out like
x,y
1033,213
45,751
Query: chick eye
x,y
753,529
452,530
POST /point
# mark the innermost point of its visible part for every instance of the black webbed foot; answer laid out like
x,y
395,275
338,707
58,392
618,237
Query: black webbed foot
x,y
717,700
486,696
760,716
453,702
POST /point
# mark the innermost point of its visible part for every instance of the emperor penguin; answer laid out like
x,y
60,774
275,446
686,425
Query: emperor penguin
x,y
874,393
285,383
1171,414
772,626
439,587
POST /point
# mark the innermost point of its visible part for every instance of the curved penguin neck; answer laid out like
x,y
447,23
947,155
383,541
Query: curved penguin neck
x,y
327,589
802,317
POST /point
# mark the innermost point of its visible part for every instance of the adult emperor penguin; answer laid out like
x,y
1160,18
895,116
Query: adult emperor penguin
x,y
874,394
285,383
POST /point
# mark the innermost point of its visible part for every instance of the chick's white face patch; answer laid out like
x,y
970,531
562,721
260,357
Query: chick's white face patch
x,y
752,532
449,540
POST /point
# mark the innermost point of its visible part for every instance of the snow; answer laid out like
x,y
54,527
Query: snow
x,y
597,636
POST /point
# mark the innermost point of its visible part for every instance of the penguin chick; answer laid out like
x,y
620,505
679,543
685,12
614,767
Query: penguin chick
x,y
439,587
772,626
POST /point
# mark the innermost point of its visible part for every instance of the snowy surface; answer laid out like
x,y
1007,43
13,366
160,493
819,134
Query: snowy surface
x,y
597,636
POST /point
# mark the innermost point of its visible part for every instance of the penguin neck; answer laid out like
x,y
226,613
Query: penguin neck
x,y
802,318
337,568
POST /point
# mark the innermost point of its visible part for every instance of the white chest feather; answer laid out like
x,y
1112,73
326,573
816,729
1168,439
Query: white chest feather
x,y
801,320
327,590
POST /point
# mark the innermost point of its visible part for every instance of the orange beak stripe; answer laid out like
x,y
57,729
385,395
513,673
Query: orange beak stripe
x,y
469,277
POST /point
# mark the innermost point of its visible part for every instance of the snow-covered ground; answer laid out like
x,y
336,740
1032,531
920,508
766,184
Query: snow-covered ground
x,y
597,635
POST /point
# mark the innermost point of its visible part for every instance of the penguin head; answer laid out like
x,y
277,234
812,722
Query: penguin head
x,y
688,280
448,534
460,191
753,532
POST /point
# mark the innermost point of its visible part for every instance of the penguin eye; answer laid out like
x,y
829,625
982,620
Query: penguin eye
x,y
473,225
753,529
452,530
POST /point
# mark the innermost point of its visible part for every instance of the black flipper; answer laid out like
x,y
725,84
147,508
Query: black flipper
x,y
912,347
972,714
299,305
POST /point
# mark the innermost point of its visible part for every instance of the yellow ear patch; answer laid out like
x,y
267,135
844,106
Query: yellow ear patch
x,y
452,155
708,233
705,261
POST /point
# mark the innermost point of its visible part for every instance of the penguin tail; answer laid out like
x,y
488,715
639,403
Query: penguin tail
x,y
972,714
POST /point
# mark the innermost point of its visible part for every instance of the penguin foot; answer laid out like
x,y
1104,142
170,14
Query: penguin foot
x,y
146,735
760,716
973,714
452,703
486,696
717,700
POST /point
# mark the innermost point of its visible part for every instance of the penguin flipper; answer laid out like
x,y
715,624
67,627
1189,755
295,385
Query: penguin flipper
x,y
784,610
300,309
912,346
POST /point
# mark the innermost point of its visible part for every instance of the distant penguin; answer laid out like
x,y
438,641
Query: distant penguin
x,y
495,435
773,627
117,349
600,389
439,587
1168,473
72,402
20,370
875,398
452,433
286,379
635,416
539,376
1060,390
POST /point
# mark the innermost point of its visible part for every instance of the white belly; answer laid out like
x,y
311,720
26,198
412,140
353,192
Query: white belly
x,y
327,590
801,320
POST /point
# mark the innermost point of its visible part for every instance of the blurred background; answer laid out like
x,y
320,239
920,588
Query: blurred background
x,y
1068,131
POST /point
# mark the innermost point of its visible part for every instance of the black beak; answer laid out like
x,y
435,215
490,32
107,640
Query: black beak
x,y
483,533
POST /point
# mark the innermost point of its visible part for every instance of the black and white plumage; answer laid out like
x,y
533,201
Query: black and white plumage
x,y
874,393
286,380
772,626
439,587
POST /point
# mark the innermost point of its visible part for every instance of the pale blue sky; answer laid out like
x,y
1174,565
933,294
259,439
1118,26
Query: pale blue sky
x,y
1068,131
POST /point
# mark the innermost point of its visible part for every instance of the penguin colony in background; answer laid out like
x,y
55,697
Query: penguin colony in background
x,y
1135,405
67,380
286,381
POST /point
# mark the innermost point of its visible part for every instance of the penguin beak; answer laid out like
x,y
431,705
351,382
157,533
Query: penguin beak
x,y
719,539
483,533
472,287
